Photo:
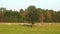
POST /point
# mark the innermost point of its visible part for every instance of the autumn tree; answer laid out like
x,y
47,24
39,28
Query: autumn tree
x,y
40,13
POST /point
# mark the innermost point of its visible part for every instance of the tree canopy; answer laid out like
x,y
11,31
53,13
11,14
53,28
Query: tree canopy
x,y
31,14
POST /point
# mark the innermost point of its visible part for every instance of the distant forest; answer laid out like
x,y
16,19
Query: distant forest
x,y
30,14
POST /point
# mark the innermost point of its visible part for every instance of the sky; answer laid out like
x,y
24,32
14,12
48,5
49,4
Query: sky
x,y
18,4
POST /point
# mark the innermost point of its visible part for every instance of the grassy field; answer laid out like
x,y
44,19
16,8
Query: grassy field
x,y
52,28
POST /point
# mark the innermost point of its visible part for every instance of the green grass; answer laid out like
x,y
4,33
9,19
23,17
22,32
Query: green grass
x,y
18,29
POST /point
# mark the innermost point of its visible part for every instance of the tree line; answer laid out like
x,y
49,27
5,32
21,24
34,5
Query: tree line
x,y
31,14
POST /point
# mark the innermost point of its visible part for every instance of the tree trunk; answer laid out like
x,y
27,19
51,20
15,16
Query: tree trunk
x,y
32,24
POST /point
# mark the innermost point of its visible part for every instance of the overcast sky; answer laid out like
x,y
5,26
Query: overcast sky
x,y
18,4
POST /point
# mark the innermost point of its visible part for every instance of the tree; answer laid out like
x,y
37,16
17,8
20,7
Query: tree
x,y
8,15
22,13
53,15
32,14
58,16
1,14
47,16
39,11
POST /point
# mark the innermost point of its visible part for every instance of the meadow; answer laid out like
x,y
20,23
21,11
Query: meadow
x,y
45,28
